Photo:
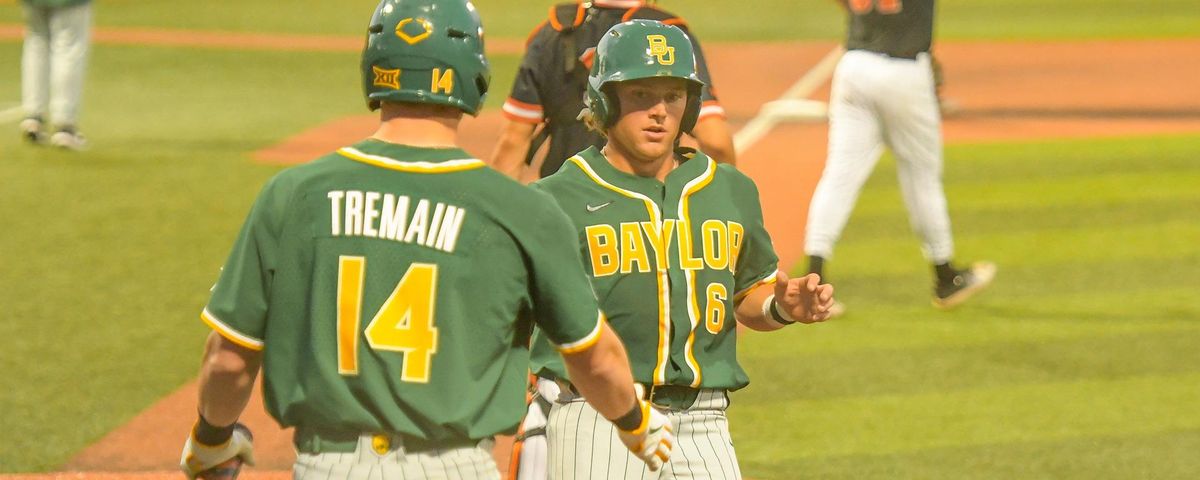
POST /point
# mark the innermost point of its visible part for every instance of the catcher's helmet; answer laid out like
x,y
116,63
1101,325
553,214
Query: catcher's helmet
x,y
642,49
425,51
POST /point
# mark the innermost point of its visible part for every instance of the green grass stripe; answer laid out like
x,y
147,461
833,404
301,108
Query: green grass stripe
x,y
223,104
1156,455
1101,243
1036,412
1038,289
1101,187
799,374
1051,158
874,324
1077,214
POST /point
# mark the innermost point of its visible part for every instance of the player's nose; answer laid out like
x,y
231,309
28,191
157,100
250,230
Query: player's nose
x,y
659,108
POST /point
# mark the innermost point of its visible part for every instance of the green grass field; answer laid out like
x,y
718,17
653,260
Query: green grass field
x,y
1080,363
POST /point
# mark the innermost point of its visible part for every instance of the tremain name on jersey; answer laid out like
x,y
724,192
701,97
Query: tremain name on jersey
x,y
387,216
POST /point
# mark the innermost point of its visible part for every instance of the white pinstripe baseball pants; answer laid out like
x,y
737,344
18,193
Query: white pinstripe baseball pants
x,y
583,445
468,463
880,101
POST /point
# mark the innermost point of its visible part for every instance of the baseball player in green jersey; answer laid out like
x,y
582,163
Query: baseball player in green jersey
x,y
677,251
388,290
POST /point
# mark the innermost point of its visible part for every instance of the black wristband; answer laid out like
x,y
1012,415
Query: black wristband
x,y
632,420
210,435
779,316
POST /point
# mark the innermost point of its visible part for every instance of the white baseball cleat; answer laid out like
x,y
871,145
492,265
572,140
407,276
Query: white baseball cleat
x,y
68,139
31,130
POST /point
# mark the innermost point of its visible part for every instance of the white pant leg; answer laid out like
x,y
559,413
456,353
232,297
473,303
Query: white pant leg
x,y
533,458
35,61
704,448
323,466
70,38
584,445
913,130
531,462
855,145
456,464
467,463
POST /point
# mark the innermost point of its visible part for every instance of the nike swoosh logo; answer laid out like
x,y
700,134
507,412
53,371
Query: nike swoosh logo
x,y
593,208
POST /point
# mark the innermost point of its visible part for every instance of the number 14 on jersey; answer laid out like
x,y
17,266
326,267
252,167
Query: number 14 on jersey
x,y
403,324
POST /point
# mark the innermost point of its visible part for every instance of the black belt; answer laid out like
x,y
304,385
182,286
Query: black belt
x,y
314,442
673,397
900,56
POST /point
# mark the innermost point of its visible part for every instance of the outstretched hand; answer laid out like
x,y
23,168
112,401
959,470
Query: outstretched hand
x,y
804,299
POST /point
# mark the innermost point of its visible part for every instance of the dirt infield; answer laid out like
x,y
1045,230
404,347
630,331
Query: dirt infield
x,y
1007,91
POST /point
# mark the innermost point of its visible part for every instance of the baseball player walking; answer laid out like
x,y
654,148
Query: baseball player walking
x,y
355,284
677,251
884,94
551,81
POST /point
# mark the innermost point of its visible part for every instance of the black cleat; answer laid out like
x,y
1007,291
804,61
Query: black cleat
x,y
964,285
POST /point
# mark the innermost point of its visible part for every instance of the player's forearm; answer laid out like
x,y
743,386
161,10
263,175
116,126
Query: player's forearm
x,y
226,380
602,375
509,155
750,312
713,135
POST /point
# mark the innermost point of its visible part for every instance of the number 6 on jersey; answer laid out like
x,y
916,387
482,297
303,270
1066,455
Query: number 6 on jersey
x,y
403,324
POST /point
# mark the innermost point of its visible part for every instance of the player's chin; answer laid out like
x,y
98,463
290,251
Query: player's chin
x,y
654,149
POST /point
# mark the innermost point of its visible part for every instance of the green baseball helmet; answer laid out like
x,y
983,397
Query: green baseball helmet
x,y
425,51
642,49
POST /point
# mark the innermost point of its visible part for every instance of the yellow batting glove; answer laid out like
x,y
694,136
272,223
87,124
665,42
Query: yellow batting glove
x,y
652,440
198,458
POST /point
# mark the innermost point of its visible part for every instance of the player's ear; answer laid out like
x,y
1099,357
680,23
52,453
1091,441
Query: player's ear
x,y
589,119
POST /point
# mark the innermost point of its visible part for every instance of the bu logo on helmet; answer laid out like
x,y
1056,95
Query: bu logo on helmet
x,y
659,49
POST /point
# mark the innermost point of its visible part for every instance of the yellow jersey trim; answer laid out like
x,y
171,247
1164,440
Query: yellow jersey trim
x,y
447,166
588,341
229,333
767,280
690,188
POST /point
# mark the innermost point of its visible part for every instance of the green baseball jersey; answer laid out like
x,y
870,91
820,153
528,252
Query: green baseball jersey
x,y
394,289
669,262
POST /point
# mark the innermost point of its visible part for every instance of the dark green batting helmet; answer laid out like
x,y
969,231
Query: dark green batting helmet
x,y
425,51
642,49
